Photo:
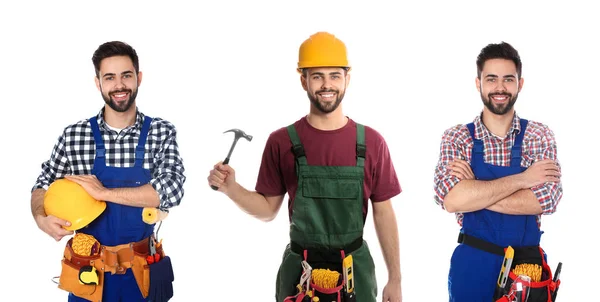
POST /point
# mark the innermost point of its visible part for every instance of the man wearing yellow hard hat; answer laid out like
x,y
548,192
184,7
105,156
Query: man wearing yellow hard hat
x,y
107,179
330,166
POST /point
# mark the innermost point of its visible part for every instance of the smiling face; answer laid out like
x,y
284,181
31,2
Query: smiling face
x,y
325,87
499,86
118,83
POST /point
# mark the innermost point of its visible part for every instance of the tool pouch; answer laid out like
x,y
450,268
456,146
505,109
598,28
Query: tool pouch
x,y
141,272
71,271
154,280
538,291
329,294
161,280
326,260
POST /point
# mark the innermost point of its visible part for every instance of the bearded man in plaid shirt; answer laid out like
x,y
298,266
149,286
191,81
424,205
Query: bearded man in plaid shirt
x,y
127,159
498,174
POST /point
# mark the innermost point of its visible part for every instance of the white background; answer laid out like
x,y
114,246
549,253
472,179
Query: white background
x,y
236,63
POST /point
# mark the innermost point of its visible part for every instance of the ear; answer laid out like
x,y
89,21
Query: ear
x,y
303,82
98,83
521,80
478,84
139,78
347,79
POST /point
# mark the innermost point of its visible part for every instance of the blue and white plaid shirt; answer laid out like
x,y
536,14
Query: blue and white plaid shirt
x,y
75,150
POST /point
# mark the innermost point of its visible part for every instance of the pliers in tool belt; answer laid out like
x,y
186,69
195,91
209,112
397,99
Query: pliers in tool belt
x,y
153,256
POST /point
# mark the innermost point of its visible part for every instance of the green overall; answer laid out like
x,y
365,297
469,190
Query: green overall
x,y
327,214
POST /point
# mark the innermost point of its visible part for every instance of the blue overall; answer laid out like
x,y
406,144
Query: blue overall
x,y
473,272
119,224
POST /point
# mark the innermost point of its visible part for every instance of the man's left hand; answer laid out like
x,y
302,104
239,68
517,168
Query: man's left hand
x,y
461,169
90,184
392,292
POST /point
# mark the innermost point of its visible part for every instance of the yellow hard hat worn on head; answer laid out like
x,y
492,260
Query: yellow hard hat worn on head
x,y
322,50
68,200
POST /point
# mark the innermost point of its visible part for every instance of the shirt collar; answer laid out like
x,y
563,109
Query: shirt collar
x,y
482,132
139,120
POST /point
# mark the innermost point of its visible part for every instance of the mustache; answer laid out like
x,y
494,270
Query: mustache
x,y
120,91
326,90
500,93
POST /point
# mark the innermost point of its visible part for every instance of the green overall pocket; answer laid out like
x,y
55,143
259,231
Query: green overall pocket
x,y
328,196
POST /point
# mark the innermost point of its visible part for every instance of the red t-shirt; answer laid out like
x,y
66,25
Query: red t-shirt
x,y
277,174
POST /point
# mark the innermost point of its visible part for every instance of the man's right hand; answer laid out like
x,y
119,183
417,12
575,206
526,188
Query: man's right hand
x,y
53,226
222,177
541,172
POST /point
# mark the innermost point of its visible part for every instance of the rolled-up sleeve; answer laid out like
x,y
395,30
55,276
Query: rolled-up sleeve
x,y
550,193
450,149
168,173
57,166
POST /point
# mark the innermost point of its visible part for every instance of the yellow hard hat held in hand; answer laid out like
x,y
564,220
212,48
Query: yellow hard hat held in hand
x,y
322,50
68,200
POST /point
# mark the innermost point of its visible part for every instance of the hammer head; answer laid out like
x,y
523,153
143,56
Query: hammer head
x,y
239,133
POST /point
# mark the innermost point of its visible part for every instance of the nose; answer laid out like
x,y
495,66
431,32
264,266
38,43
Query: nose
x,y
119,84
326,83
500,87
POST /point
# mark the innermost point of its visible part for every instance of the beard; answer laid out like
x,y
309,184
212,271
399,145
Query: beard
x,y
115,105
326,107
499,109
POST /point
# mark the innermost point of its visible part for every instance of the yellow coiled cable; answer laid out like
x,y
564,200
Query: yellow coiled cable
x,y
83,244
325,278
534,271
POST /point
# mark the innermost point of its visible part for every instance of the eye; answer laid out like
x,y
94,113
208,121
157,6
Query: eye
x,y
335,77
316,77
491,80
127,76
109,78
510,80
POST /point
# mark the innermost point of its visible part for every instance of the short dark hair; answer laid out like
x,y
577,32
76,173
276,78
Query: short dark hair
x,y
501,50
114,48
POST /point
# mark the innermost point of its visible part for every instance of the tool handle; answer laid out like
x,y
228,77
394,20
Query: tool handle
x,y
557,272
556,277
226,161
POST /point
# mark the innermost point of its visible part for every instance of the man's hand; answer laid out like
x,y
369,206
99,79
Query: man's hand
x,y
392,292
53,226
90,184
540,172
461,169
222,177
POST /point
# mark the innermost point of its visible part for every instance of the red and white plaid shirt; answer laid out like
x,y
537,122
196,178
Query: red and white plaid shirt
x,y
538,144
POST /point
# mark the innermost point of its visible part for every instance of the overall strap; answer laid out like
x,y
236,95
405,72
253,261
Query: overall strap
x,y
477,143
361,148
515,153
297,147
140,148
100,150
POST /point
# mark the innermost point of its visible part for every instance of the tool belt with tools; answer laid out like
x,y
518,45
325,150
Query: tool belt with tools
x,y
327,274
524,276
85,261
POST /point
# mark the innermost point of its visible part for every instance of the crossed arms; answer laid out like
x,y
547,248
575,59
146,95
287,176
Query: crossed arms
x,y
537,190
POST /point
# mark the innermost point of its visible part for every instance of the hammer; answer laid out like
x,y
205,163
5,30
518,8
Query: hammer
x,y
238,133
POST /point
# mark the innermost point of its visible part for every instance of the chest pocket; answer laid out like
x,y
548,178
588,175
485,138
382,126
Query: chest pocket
x,y
331,188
